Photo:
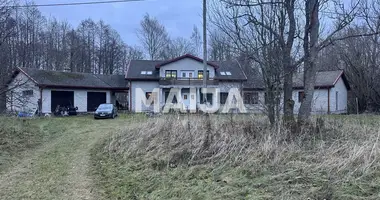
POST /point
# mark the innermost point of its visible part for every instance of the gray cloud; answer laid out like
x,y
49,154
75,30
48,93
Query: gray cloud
x,y
178,16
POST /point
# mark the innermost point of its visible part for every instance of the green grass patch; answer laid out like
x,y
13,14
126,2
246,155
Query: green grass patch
x,y
18,135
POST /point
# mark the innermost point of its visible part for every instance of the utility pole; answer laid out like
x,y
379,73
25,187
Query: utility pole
x,y
204,49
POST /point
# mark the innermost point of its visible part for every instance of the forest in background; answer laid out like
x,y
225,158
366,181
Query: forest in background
x,y
29,39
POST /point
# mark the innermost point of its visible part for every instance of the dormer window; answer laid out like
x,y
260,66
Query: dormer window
x,y
149,72
143,72
223,73
228,73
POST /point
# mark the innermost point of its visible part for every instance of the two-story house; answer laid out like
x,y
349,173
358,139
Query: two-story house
x,y
186,74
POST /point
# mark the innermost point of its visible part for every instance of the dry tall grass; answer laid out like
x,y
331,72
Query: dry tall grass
x,y
340,161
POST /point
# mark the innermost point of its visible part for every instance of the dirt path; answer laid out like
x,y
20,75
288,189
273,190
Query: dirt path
x,y
59,169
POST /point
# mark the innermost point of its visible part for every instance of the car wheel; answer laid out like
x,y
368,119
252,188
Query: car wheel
x,y
113,116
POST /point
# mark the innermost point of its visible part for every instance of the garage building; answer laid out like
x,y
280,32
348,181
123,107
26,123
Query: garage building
x,y
31,89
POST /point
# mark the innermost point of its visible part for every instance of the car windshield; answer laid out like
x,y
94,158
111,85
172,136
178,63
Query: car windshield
x,y
105,107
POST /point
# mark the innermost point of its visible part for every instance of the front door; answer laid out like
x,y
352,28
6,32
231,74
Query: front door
x,y
186,101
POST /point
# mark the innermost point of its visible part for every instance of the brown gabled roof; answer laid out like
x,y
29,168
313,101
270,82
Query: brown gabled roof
x,y
59,79
183,57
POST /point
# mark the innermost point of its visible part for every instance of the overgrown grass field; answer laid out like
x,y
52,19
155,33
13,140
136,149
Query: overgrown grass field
x,y
49,158
19,135
240,157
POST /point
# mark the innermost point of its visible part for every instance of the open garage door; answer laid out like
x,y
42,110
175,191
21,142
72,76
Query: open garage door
x,y
61,98
94,99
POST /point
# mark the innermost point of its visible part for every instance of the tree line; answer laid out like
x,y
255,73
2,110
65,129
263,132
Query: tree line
x,y
272,38
29,39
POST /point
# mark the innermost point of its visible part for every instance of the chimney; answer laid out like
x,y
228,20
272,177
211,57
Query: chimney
x,y
66,69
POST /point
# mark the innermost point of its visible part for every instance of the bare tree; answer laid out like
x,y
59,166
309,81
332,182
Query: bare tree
x,y
134,53
359,57
313,43
274,22
177,47
221,47
310,47
7,23
196,40
153,36
7,31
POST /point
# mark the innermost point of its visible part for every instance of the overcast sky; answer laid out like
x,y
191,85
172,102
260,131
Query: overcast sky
x,y
178,16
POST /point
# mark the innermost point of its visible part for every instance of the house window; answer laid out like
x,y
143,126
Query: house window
x,y
171,73
223,73
190,74
301,96
183,74
27,93
185,97
174,100
228,73
143,72
200,74
251,98
208,98
223,97
149,72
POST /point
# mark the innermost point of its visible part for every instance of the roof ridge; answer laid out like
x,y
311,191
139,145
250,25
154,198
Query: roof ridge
x,y
28,75
148,60
102,80
48,70
241,68
335,70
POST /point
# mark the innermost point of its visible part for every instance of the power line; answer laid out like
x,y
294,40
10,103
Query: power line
x,y
72,4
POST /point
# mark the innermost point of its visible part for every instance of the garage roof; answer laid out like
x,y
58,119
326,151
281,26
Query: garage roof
x,y
59,79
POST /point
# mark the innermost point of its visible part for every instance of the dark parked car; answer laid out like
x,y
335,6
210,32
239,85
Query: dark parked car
x,y
105,111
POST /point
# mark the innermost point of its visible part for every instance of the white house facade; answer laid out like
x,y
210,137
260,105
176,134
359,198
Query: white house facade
x,y
34,90
330,94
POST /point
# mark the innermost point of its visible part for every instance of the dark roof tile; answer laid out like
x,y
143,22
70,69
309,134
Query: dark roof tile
x,y
324,79
74,79
237,72
136,66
